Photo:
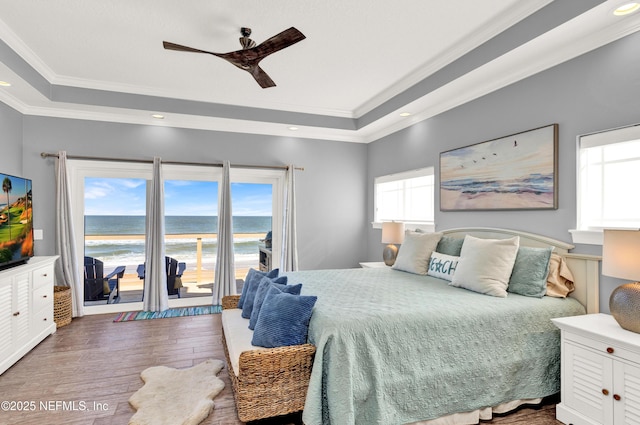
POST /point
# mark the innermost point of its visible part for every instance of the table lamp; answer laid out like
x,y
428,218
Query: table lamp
x,y
392,233
621,259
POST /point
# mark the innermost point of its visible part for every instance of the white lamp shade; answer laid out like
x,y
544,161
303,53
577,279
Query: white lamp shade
x,y
621,254
392,232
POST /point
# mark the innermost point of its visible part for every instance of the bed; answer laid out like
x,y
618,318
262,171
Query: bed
x,y
396,348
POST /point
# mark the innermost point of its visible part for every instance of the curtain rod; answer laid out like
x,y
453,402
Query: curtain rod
x,y
147,161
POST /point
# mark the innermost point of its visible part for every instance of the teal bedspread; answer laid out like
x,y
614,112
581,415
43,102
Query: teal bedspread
x,y
395,348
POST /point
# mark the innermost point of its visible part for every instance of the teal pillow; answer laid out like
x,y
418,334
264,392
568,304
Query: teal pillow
x,y
450,246
247,307
261,293
283,319
529,275
253,278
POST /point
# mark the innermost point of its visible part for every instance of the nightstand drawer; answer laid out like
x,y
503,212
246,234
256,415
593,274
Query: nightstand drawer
x,y
601,347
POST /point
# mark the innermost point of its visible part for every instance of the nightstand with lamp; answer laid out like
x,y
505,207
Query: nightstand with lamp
x,y
392,234
621,259
600,371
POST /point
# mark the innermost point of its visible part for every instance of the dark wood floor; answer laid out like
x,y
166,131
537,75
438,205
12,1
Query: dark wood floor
x,y
94,360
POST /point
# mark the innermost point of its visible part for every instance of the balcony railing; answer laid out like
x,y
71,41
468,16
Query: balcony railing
x,y
198,277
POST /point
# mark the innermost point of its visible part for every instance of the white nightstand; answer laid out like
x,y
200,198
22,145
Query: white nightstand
x,y
373,265
600,371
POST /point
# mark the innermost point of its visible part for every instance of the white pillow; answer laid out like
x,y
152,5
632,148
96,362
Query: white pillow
x,y
415,252
442,265
486,264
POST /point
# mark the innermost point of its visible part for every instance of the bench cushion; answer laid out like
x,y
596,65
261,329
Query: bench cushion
x,y
238,335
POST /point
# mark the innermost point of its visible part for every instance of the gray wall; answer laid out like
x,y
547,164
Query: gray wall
x,y
596,91
331,196
11,141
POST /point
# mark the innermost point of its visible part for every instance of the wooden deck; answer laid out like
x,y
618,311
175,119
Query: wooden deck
x,y
194,285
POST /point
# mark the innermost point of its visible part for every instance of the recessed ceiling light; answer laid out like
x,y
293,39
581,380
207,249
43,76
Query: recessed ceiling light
x,y
292,128
158,116
626,9
405,114
5,84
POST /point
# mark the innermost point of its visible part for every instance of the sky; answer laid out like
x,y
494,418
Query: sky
x,y
123,196
18,189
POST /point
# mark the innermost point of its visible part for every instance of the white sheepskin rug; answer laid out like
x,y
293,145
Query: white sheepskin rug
x,y
176,396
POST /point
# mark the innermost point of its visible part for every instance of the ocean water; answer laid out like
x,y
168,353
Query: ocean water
x,y
131,251
534,183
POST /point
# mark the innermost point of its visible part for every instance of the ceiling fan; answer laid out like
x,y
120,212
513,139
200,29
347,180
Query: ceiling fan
x,y
250,55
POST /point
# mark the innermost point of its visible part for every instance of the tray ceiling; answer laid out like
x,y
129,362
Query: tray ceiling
x,y
362,62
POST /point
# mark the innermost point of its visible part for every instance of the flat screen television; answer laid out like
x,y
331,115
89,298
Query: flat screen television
x,y
16,221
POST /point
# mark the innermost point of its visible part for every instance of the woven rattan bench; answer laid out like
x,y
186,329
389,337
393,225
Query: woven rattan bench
x,y
271,381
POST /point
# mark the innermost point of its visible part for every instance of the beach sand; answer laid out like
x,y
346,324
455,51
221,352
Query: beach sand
x,y
178,236
191,274
242,262
193,280
194,284
454,200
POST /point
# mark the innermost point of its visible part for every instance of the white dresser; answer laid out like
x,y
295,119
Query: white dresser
x,y
600,371
26,308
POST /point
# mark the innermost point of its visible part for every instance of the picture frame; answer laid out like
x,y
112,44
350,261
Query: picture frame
x,y
515,172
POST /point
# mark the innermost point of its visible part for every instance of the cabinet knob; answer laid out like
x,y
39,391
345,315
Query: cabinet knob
x,y
45,319
17,313
44,274
616,397
605,391
44,296
610,350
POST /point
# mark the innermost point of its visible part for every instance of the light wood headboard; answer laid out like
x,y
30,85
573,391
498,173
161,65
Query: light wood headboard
x,y
585,268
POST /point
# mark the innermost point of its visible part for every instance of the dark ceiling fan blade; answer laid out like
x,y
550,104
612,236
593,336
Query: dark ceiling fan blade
x,y
261,77
173,46
278,42
248,59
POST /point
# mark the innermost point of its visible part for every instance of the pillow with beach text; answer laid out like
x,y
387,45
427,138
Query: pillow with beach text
x,y
442,266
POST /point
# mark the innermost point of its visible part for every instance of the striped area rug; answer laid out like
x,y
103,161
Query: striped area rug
x,y
172,312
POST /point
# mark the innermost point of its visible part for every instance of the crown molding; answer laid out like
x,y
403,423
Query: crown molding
x,y
23,50
484,34
12,102
125,116
579,36
172,94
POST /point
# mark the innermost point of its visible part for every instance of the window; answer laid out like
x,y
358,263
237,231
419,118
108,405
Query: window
x,y
608,171
109,204
406,197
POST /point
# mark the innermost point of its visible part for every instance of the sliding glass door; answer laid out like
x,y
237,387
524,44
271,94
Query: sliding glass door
x,y
191,226
252,207
110,207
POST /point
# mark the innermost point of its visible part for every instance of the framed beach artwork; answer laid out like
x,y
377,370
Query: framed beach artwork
x,y
510,173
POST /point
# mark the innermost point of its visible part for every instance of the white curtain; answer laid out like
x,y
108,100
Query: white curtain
x,y
289,260
225,277
155,275
67,268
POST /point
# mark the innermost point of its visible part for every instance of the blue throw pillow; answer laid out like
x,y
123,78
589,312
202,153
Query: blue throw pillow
x,y
253,277
247,307
529,275
283,320
261,293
